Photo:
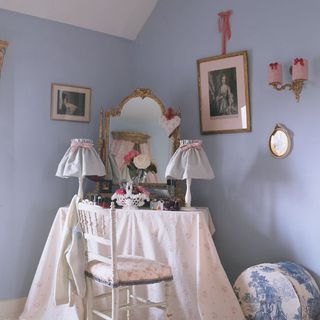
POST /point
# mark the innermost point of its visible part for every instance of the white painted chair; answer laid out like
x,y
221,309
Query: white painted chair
x,y
117,272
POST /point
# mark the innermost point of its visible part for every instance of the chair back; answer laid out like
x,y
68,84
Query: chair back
x,y
99,228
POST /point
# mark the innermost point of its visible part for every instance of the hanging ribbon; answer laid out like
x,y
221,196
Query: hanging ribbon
x,y
297,60
274,66
224,28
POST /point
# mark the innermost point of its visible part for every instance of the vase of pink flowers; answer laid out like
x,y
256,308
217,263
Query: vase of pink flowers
x,y
139,165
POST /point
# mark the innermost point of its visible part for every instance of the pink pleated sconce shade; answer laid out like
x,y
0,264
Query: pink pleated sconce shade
x,y
189,162
299,73
80,160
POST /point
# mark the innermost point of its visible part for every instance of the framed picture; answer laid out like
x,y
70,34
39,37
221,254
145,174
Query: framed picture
x,y
70,103
224,93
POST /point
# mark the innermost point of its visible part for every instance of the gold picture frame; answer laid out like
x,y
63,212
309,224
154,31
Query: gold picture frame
x,y
70,103
223,87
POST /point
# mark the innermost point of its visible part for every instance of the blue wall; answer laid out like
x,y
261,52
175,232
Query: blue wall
x,y
264,209
40,53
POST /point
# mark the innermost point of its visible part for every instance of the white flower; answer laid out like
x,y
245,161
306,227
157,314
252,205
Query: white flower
x,y
142,161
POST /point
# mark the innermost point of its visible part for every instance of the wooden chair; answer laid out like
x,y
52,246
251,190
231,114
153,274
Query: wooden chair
x,y
117,272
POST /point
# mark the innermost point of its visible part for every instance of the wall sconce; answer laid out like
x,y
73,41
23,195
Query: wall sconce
x,y
299,72
3,48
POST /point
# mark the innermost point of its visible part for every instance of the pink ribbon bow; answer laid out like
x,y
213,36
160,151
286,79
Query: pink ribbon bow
x,y
76,145
194,145
224,28
297,60
274,66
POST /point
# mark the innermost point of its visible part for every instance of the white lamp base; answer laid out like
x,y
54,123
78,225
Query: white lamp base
x,y
80,190
187,198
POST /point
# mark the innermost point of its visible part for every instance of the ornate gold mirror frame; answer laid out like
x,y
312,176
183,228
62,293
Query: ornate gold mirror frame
x,y
104,137
3,48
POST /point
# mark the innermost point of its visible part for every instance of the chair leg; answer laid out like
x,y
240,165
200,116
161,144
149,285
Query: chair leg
x,y
129,293
115,303
167,287
89,298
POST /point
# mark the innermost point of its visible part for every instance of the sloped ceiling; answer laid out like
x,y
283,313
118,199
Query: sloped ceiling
x,y
122,18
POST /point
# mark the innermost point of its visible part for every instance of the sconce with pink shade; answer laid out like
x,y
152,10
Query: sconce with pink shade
x,y
298,71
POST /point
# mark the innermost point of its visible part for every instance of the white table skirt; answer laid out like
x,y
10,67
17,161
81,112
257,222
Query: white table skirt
x,y
183,239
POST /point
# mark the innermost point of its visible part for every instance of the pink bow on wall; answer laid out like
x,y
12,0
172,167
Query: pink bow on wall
x,y
298,60
274,66
224,28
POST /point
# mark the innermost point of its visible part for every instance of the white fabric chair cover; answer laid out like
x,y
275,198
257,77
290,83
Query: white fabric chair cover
x,y
189,161
81,159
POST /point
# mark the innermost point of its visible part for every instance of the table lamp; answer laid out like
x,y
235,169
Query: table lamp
x,y
80,160
189,162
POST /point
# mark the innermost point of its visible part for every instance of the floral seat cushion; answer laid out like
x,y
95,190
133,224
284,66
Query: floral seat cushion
x,y
131,270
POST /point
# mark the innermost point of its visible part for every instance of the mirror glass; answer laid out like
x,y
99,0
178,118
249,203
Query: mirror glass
x,y
138,128
280,142
140,124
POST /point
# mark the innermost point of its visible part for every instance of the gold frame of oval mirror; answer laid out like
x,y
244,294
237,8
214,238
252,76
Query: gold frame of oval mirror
x,y
135,125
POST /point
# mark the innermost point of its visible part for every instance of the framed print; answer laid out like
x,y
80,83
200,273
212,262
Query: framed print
x,y
70,103
224,93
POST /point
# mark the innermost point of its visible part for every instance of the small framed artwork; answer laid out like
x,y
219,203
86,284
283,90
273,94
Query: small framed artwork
x,y
224,93
70,103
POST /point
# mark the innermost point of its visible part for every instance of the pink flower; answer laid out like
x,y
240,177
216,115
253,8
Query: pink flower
x,y
130,155
120,191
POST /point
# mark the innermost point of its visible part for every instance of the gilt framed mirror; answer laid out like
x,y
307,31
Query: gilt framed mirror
x,y
135,125
280,142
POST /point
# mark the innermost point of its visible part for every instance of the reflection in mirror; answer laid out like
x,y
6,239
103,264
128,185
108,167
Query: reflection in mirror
x,y
138,129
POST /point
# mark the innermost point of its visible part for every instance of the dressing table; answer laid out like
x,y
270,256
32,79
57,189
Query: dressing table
x,y
201,290
181,239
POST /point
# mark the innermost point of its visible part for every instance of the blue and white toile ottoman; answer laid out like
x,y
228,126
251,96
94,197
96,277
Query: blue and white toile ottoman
x,y
278,291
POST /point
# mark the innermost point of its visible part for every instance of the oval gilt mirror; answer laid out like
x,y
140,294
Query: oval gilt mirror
x,y
135,125
280,143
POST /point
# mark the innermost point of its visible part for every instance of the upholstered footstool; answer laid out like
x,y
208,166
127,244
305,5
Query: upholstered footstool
x,y
282,291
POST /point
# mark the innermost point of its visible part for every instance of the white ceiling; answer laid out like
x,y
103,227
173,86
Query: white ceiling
x,y
122,18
